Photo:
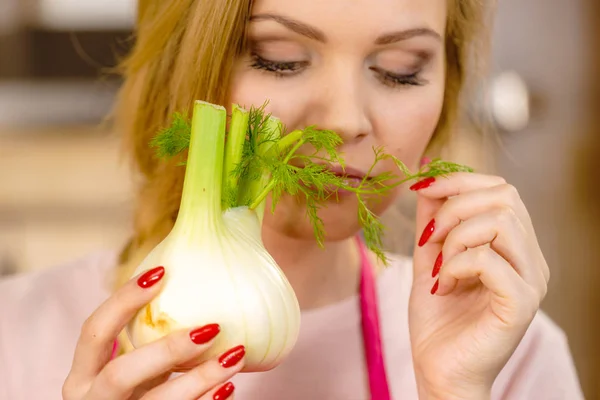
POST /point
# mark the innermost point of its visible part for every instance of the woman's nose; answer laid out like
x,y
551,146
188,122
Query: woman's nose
x,y
342,106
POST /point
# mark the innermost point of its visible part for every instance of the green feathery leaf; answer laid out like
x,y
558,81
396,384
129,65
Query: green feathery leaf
x,y
174,139
295,171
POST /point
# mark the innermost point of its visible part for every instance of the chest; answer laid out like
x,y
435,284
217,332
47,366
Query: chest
x,y
330,366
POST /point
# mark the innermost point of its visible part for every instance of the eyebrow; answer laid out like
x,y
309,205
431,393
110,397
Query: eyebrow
x,y
293,25
399,36
316,34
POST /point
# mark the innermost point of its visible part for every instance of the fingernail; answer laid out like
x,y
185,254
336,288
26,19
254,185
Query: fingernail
x,y
437,266
427,232
435,286
425,161
425,183
150,278
232,356
205,334
224,391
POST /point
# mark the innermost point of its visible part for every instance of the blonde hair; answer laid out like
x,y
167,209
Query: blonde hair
x,y
185,50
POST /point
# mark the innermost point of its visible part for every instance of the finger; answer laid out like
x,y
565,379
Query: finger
x,y
467,205
200,380
505,234
223,392
124,374
454,184
433,193
478,194
98,332
511,292
425,254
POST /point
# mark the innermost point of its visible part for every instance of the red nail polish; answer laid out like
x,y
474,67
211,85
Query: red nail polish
x,y
437,266
435,286
205,333
427,232
232,356
224,391
425,183
151,277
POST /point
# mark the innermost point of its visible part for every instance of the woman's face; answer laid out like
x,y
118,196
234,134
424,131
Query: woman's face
x,y
371,70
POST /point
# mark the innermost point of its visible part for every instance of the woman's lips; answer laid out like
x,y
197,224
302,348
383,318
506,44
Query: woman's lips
x,y
346,171
350,181
352,177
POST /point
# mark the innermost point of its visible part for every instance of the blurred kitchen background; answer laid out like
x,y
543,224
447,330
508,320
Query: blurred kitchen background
x,y
64,192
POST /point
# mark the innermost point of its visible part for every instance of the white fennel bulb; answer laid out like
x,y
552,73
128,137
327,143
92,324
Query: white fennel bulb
x,y
216,267
226,277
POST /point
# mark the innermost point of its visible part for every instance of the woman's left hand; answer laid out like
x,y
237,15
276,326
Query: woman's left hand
x,y
478,253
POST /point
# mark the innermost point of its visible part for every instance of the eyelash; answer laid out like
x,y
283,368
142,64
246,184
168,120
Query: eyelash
x,y
393,80
280,69
290,68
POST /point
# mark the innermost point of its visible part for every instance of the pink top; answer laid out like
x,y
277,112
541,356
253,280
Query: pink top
x,y
41,315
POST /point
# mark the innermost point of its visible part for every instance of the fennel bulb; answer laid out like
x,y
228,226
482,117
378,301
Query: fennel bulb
x,y
216,267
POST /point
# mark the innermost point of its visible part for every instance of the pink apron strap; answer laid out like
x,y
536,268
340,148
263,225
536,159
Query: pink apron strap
x,y
371,329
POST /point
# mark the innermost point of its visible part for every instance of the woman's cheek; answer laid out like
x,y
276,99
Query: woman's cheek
x,y
410,143
251,88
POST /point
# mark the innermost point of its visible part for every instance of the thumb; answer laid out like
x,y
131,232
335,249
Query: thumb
x,y
425,253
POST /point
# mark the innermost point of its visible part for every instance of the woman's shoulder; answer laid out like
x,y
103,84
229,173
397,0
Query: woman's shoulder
x,y
41,314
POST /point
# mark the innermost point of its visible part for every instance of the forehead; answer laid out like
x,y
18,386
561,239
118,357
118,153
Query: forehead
x,y
360,17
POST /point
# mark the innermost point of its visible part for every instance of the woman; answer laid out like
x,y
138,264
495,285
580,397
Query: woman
x,y
459,320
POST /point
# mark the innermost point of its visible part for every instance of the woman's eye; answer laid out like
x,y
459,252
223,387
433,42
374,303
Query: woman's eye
x,y
394,80
280,68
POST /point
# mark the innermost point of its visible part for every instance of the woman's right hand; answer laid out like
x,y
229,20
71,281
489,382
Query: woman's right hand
x,y
144,373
